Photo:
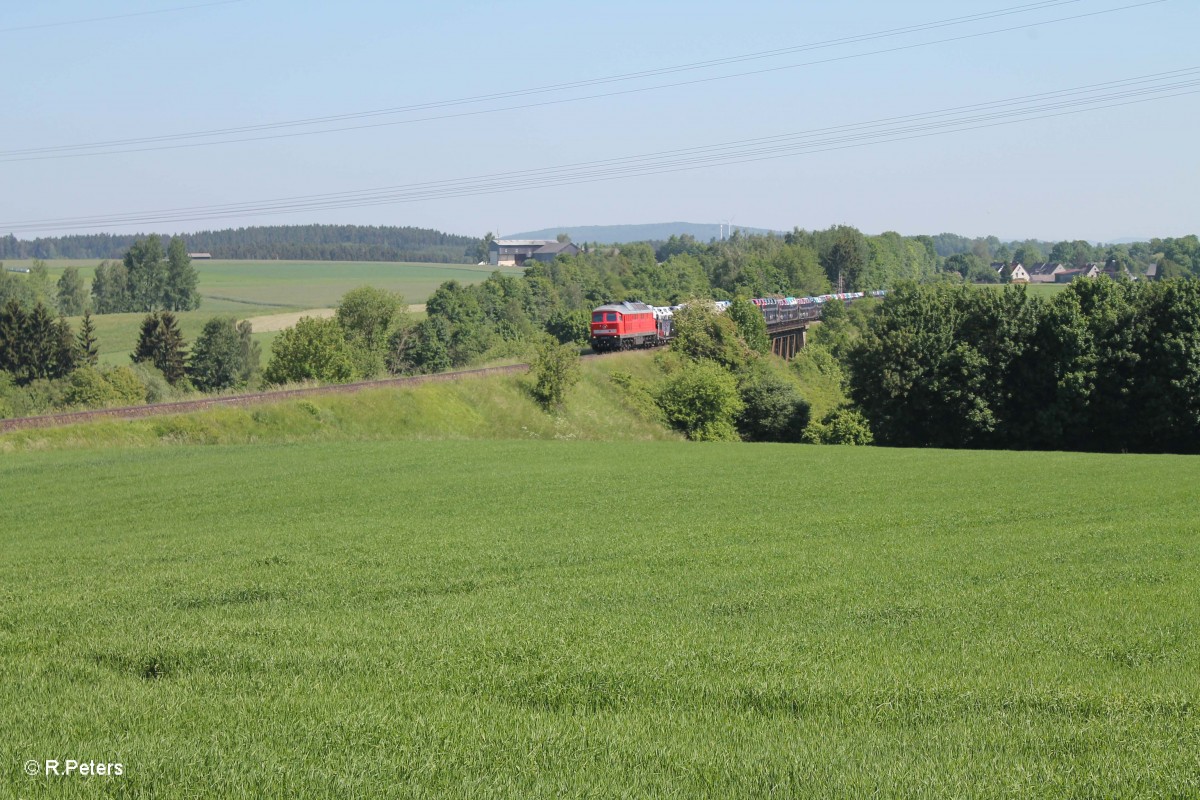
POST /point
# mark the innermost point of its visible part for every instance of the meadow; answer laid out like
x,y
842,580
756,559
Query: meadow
x,y
587,619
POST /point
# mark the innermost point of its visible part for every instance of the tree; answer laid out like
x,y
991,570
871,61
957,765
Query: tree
x,y
87,351
426,351
218,358
563,238
110,288
846,260
314,350
251,354
773,409
570,327
180,281
72,293
147,274
369,316
483,250
751,325
39,281
703,334
162,345
14,343
555,370
701,399
1028,254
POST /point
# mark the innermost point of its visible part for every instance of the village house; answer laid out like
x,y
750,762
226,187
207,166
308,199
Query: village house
x,y
1044,271
1013,273
515,252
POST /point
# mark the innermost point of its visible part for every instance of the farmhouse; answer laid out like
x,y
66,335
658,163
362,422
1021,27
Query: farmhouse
x,y
1015,272
515,252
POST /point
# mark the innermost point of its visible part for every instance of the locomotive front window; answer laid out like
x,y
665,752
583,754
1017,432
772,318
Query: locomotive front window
x,y
598,316
611,316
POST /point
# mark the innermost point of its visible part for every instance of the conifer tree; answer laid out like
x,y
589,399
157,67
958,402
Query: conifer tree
x,y
162,345
87,351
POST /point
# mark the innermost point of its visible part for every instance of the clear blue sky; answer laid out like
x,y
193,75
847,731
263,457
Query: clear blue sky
x,y
1129,171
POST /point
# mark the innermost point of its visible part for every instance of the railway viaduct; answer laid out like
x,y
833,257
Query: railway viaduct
x,y
788,337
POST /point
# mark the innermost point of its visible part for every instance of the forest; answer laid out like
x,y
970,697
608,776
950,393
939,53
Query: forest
x,y
279,242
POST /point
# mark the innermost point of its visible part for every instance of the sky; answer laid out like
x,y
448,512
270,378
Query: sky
x,y
82,72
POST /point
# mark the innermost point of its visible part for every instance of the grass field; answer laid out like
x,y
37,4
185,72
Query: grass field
x,y
548,619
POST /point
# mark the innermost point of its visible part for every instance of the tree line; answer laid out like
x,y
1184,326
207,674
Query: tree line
x,y
283,242
1105,366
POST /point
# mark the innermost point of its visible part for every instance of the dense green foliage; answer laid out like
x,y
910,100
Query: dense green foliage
x,y
314,350
147,279
1104,365
162,345
224,356
555,370
34,345
549,619
298,242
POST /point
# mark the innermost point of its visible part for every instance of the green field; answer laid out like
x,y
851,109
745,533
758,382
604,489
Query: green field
x,y
261,287
548,619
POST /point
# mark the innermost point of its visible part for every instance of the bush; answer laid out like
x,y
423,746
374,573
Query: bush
x,y
88,387
555,370
314,350
142,383
774,410
570,327
701,399
845,425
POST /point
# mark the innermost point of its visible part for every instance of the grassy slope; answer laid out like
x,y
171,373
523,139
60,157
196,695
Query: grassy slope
x,y
529,619
476,408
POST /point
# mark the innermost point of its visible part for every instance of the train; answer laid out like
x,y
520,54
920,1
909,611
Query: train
x,y
631,325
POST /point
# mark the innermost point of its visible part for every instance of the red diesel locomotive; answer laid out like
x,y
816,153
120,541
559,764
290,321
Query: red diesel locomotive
x,y
625,326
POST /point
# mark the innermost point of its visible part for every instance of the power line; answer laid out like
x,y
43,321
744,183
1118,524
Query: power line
x,y
117,16
1110,94
123,145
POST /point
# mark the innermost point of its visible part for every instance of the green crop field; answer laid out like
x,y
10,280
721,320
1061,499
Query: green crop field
x,y
262,287
639,619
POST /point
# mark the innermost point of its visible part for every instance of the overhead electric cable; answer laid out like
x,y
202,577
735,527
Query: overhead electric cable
x,y
117,16
1110,94
122,145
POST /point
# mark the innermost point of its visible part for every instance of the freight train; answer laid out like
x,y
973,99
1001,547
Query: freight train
x,y
629,325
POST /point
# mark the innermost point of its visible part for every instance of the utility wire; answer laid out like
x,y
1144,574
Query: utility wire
x,y
121,146
117,16
1112,94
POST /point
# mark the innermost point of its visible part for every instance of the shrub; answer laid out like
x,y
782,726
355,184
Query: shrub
x,y
570,327
555,370
774,410
845,425
140,383
314,350
88,387
701,399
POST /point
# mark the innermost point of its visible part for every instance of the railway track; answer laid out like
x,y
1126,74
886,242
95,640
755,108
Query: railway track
x,y
253,398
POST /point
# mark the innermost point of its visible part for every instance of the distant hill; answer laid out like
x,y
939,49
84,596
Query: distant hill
x,y
282,242
617,234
